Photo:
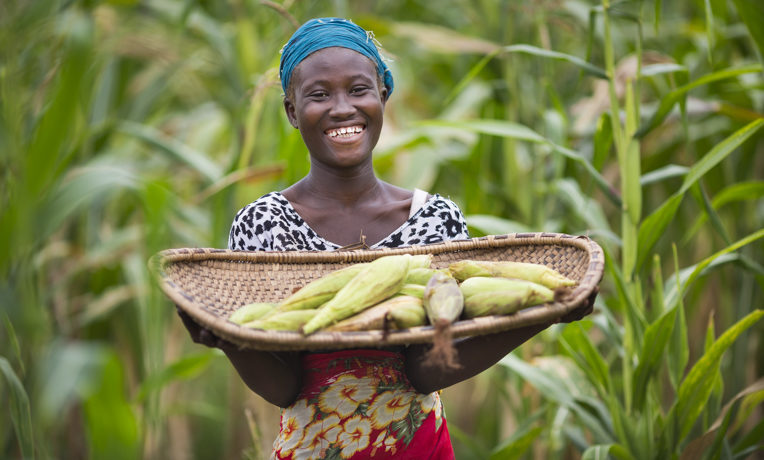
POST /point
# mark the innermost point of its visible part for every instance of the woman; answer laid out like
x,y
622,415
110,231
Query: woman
x,y
350,403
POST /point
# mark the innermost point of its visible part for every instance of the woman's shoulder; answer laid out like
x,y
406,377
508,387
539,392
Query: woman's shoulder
x,y
439,204
438,220
252,226
268,203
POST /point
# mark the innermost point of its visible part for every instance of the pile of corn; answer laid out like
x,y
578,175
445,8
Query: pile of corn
x,y
403,291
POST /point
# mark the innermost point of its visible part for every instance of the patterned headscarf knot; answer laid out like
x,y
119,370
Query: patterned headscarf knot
x,y
322,33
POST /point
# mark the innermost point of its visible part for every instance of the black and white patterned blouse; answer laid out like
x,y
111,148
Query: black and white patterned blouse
x,y
270,223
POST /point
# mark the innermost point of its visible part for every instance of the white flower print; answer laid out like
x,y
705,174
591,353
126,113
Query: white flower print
x,y
355,436
389,407
345,394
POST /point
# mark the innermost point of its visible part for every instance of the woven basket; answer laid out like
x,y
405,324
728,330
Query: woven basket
x,y
210,284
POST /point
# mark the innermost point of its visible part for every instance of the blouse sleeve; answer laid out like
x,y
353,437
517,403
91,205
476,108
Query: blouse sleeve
x,y
454,225
243,235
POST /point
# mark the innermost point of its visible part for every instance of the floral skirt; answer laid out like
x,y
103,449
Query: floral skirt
x,y
358,404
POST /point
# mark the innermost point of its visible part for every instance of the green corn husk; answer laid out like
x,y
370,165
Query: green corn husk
x,y
414,290
379,280
409,314
505,302
251,312
420,275
321,290
443,302
479,284
537,273
420,261
283,321
380,316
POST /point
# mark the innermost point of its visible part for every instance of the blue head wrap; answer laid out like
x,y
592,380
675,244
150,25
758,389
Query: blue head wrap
x,y
322,33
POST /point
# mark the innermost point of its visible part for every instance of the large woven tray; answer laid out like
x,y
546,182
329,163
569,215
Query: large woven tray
x,y
209,284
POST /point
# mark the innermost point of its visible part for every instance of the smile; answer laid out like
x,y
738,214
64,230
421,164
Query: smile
x,y
346,131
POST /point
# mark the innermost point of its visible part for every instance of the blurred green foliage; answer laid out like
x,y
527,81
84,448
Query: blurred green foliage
x,y
127,127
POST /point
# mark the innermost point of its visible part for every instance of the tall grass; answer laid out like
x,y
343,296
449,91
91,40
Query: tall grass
x,y
127,128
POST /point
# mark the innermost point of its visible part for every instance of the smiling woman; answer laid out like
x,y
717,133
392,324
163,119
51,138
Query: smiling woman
x,y
350,403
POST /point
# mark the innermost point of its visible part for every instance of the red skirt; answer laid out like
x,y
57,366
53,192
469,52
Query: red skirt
x,y
358,404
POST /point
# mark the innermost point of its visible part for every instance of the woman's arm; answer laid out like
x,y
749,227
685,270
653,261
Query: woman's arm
x,y
276,376
474,354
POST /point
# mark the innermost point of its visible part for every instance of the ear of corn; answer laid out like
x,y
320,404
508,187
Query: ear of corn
x,y
420,261
251,312
419,275
506,302
443,300
477,285
464,269
283,321
380,316
321,290
409,313
414,290
536,273
379,280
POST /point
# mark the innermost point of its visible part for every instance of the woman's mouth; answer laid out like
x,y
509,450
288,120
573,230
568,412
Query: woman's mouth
x,y
345,132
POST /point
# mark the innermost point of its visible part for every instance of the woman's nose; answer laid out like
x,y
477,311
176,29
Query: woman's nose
x,y
342,106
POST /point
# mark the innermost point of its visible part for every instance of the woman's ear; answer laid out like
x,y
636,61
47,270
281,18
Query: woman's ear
x,y
291,112
383,93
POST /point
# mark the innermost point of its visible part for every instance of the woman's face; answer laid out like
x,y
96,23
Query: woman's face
x,y
337,104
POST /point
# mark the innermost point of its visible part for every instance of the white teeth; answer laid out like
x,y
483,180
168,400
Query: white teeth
x,y
345,132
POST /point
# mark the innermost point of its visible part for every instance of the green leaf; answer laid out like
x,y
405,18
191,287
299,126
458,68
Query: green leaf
x,y
654,225
555,390
521,439
175,149
517,131
580,347
743,191
111,423
663,173
709,29
492,225
662,68
678,349
651,356
184,368
696,387
603,140
668,101
605,451
752,14
700,445
541,52
708,261
81,187
20,413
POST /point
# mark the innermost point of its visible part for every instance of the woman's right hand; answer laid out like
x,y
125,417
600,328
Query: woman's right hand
x,y
202,335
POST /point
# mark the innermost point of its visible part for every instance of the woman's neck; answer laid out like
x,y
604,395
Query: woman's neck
x,y
323,188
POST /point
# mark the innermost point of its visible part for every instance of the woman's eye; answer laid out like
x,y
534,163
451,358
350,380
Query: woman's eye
x,y
358,89
318,94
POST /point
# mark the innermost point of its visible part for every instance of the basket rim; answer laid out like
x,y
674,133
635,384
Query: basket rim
x,y
287,340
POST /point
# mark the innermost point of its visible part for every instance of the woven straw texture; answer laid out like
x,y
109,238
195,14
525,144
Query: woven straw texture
x,y
210,284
